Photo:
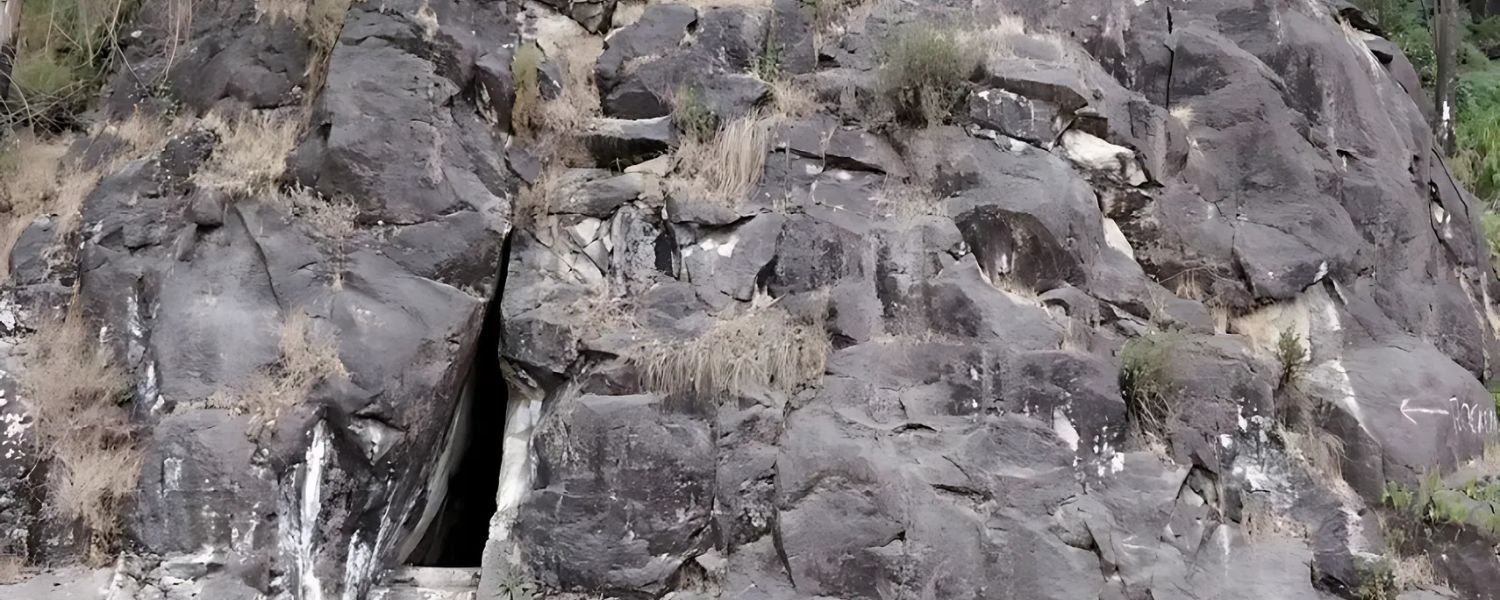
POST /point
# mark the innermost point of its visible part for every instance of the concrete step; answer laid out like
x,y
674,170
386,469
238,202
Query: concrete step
x,y
428,583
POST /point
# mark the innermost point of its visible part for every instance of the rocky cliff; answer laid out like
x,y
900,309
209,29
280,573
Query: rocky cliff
x,y
752,299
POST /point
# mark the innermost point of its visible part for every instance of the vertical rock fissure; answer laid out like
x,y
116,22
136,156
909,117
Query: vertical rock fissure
x,y
455,535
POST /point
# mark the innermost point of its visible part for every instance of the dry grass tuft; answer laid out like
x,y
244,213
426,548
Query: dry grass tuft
x,y
626,14
75,396
251,154
1185,114
579,100
332,217
37,179
305,361
535,201
29,177
294,11
1015,289
996,40
1413,572
143,134
12,569
603,309
790,99
324,23
903,201
727,167
1323,451
756,349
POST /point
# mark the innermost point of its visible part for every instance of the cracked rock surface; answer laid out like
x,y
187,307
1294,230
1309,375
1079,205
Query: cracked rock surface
x,y
905,345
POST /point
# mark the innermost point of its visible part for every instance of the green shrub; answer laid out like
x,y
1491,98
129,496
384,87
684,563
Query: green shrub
x,y
926,73
691,114
1377,580
1449,506
63,49
517,586
1476,160
1399,497
1145,380
1291,354
1485,33
767,65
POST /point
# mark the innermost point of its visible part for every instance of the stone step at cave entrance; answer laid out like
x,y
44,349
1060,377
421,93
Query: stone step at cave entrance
x,y
429,583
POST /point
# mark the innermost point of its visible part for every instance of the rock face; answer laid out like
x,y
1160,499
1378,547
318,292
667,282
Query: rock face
x,y
892,363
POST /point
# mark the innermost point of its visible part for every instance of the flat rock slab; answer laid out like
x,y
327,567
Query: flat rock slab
x,y
62,584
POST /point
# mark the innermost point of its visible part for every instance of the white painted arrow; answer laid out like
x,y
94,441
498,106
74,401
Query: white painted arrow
x,y
1406,411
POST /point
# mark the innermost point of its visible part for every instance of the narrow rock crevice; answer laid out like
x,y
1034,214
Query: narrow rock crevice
x,y
461,498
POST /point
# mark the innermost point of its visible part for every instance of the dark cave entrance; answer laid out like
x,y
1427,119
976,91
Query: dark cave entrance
x,y
456,535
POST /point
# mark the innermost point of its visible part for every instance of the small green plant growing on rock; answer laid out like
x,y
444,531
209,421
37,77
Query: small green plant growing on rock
x,y
515,585
1399,497
691,114
1145,380
926,73
1291,355
1377,580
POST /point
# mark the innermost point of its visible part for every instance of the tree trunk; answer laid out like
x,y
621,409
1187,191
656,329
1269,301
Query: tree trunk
x,y
1445,28
10,28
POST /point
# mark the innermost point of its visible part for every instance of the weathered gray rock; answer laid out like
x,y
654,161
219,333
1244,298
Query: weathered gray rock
x,y
649,63
1017,116
1216,166
638,534
626,142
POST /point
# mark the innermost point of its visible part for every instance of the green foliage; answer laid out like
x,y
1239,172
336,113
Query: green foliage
x,y
1475,503
517,586
1145,379
526,112
1489,222
1291,354
1399,497
926,73
63,49
1377,580
767,66
1485,33
1449,506
691,114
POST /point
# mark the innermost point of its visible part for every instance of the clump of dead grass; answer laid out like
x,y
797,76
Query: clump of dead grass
x,y
1413,572
760,348
604,308
1184,114
12,569
306,359
726,167
553,124
535,201
579,100
324,22
331,217
1015,289
76,399
905,201
36,177
791,99
251,154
